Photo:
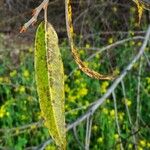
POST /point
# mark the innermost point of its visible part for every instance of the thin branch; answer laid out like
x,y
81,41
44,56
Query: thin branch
x,y
128,114
116,118
147,59
35,124
138,96
35,14
113,32
88,132
43,145
76,137
100,50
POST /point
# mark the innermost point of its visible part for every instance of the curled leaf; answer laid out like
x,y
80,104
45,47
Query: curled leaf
x,y
140,9
70,30
141,5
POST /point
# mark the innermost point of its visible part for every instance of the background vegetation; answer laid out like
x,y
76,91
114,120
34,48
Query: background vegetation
x,y
122,121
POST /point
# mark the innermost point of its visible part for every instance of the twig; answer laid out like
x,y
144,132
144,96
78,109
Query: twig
x,y
100,50
35,14
43,145
138,97
76,137
128,114
116,118
35,124
147,59
88,132
113,32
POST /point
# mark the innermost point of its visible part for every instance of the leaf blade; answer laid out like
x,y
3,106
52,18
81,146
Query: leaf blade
x,y
50,82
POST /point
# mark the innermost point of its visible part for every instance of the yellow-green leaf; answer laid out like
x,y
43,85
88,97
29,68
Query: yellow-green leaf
x,y
50,82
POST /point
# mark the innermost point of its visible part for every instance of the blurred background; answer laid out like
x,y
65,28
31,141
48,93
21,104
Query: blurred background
x,y
97,24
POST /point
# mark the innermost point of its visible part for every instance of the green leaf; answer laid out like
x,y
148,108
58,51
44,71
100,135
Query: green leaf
x,y
50,82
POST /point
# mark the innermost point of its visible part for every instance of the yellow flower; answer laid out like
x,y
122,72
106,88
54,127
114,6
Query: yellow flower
x,y
132,9
39,115
95,128
116,72
108,101
71,98
87,45
128,102
2,111
114,9
121,116
6,79
33,127
81,36
100,140
7,114
77,81
50,147
30,50
136,24
83,85
105,111
83,92
67,88
13,73
86,103
131,32
17,131
97,56
143,143
66,107
148,145
81,52
26,73
1,79
86,63
29,98
139,43
23,117
21,89
140,148
147,49
136,66
148,80
110,40
112,113
77,73
104,86
132,43
130,146
116,136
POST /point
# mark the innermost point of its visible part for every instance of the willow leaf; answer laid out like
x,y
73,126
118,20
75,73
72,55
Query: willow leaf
x,y
50,82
